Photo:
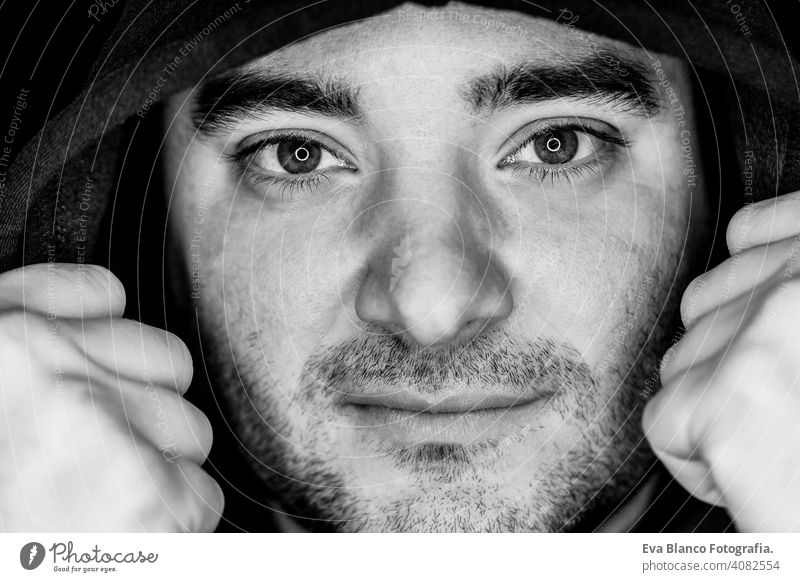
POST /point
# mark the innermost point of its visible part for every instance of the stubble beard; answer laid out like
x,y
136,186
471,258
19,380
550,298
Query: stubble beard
x,y
449,488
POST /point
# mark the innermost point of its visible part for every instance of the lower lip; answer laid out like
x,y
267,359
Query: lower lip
x,y
412,427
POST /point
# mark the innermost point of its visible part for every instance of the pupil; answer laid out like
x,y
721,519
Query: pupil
x,y
553,144
298,157
556,147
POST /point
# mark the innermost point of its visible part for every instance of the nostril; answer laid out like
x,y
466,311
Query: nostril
x,y
435,294
475,327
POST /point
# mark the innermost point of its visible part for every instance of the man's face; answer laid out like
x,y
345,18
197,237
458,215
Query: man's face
x,y
434,257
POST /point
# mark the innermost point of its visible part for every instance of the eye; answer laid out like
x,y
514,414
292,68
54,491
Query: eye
x,y
564,148
282,155
556,146
287,165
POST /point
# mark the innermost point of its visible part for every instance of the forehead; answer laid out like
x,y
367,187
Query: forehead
x,y
452,43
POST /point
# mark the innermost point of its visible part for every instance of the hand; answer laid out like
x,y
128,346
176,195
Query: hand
x,y
726,422
94,433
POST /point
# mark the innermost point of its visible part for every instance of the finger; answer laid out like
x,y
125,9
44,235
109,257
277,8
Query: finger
x,y
673,420
200,508
128,349
747,464
710,334
177,496
758,320
63,290
702,409
765,221
761,476
694,476
175,426
737,276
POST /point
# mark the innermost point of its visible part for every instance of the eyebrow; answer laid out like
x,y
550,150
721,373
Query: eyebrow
x,y
223,102
592,80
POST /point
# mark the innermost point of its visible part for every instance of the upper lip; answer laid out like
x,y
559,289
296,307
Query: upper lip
x,y
433,403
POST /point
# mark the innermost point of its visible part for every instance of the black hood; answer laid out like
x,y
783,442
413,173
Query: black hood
x,y
747,71
79,176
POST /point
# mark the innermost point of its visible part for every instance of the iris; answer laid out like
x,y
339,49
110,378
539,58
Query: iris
x,y
298,157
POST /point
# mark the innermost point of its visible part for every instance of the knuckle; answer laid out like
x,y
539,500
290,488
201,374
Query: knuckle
x,y
743,378
207,499
765,312
738,228
667,364
167,494
691,296
650,415
171,354
135,333
180,357
205,433
149,488
102,279
67,272
184,359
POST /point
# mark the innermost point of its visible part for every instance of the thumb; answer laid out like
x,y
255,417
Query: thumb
x,y
63,290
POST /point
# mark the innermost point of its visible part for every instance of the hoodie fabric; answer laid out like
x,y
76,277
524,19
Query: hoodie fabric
x,y
79,179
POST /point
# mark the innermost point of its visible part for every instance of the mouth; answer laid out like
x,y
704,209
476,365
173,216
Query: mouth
x,y
451,404
409,418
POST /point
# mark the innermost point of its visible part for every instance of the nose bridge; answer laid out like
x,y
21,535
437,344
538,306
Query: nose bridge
x,y
432,279
428,217
432,194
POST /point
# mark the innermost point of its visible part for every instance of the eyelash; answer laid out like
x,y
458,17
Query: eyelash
x,y
569,171
289,187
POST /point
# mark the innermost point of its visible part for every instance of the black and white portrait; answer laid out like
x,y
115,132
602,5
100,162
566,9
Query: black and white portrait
x,y
278,266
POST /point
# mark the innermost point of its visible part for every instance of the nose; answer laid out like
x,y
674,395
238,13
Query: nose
x,y
433,279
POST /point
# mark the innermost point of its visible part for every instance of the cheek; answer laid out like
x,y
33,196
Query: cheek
x,y
599,256
270,282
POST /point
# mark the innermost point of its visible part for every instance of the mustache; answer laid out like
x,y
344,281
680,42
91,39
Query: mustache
x,y
491,359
